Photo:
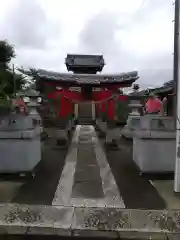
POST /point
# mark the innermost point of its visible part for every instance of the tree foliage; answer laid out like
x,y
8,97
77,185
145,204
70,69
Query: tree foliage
x,y
7,52
33,73
8,80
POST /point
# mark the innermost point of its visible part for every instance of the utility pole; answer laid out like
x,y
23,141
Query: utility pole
x,y
14,81
176,77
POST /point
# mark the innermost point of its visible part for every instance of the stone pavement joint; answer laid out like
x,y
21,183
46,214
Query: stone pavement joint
x,y
76,221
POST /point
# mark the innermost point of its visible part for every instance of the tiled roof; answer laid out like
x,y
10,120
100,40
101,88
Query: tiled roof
x,y
88,78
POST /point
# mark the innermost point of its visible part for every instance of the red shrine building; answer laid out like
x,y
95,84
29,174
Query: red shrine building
x,y
84,92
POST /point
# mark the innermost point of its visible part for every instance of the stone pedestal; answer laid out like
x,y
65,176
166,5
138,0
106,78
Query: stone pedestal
x,y
133,121
62,131
154,152
154,144
113,134
102,126
20,146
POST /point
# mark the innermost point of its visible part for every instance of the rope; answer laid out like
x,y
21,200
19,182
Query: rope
x,y
100,101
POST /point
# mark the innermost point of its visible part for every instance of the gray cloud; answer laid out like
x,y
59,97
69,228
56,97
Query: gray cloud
x,y
99,35
99,32
149,9
26,25
39,43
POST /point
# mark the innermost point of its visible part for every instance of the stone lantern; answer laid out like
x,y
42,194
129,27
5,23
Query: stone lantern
x,y
133,121
32,107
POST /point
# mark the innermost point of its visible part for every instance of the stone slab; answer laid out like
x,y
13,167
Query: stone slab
x,y
82,176
21,219
87,184
118,219
110,188
70,221
64,188
91,189
103,219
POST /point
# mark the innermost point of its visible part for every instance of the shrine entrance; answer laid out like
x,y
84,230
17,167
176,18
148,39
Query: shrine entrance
x,y
86,113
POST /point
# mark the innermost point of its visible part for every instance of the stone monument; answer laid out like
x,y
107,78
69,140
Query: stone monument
x,y
154,144
20,145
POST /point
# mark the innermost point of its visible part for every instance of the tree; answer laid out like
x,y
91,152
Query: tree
x,y
33,73
8,79
6,54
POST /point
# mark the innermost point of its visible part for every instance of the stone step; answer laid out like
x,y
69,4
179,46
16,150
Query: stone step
x,y
85,121
31,220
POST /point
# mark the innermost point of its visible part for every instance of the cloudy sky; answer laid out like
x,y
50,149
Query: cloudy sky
x,y
131,34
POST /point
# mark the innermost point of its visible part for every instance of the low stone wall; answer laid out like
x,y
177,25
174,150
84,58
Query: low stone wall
x,y
96,222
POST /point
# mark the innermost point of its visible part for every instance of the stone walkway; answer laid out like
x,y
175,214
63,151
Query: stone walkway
x,y
87,179
81,197
88,175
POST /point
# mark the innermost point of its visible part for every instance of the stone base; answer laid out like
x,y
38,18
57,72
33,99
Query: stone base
x,y
19,154
133,123
112,136
102,126
154,151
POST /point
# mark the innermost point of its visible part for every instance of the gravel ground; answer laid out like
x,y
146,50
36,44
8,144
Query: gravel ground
x,y
136,191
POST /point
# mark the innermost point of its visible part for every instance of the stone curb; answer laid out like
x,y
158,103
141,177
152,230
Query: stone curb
x,y
94,222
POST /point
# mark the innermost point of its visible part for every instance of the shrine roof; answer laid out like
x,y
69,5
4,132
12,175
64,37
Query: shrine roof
x,y
166,88
93,79
85,55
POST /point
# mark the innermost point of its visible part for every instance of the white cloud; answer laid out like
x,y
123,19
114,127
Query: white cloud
x,y
131,35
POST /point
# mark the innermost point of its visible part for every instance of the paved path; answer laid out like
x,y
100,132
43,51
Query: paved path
x,y
87,179
89,176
